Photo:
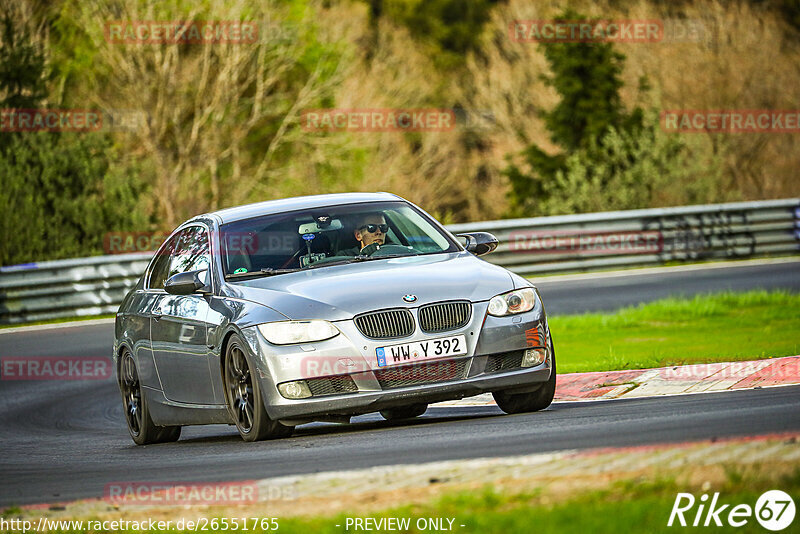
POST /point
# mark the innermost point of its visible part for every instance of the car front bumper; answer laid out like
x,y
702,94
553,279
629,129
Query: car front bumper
x,y
356,384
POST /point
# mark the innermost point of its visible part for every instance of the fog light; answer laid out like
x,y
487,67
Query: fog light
x,y
534,357
294,390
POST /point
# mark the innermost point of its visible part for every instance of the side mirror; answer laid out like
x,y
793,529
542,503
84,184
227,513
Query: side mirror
x,y
185,283
479,243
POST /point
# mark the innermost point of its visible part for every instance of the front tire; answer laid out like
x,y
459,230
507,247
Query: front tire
x,y
533,401
244,397
137,415
404,412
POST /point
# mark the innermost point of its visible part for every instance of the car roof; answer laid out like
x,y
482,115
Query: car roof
x,y
296,203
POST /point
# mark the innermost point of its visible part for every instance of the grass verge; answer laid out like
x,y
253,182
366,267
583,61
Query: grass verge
x,y
631,505
679,331
636,504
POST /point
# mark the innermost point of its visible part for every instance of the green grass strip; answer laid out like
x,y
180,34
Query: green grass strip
x,y
678,331
628,505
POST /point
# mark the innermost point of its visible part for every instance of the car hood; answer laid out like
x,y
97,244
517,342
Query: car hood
x,y
339,292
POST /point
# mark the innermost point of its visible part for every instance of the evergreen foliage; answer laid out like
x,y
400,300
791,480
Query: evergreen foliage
x,y
609,158
59,192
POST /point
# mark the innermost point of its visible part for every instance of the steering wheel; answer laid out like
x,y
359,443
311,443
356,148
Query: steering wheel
x,y
369,250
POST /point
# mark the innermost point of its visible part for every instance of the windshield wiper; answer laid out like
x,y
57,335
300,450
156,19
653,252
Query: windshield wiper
x,y
269,271
384,256
357,258
345,260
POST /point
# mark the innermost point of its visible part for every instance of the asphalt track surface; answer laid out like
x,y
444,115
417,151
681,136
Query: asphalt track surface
x,y
63,440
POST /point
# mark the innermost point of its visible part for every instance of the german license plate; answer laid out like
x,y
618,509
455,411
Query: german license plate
x,y
418,351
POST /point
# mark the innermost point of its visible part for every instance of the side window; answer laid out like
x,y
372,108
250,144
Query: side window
x,y
186,251
160,267
418,233
192,252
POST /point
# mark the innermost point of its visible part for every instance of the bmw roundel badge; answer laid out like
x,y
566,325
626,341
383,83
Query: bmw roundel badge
x,y
410,298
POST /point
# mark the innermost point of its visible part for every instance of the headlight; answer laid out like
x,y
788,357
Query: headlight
x,y
513,302
290,332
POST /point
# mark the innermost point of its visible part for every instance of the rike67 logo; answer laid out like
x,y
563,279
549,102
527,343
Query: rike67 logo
x,y
774,510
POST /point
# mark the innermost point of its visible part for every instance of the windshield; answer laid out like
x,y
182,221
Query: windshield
x,y
286,242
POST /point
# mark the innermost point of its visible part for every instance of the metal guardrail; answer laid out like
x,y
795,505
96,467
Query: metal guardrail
x,y
585,242
68,288
632,238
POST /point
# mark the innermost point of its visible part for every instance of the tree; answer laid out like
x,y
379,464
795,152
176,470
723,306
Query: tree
x,y
587,75
22,66
453,27
221,118
60,192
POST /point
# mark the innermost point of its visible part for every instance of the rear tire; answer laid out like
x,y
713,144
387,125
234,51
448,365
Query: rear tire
x,y
532,401
244,398
404,412
137,415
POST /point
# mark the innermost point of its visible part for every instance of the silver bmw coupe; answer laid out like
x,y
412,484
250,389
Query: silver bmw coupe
x,y
319,308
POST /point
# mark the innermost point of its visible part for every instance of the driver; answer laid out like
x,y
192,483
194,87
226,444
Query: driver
x,y
370,229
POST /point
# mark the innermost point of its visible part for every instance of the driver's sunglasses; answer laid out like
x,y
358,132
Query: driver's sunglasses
x,y
372,228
